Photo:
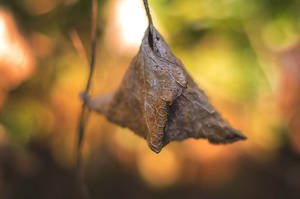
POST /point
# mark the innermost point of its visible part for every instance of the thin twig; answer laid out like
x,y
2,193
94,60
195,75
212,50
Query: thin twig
x,y
78,45
85,113
148,12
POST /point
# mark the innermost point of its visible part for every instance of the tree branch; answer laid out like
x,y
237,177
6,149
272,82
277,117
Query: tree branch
x,y
84,112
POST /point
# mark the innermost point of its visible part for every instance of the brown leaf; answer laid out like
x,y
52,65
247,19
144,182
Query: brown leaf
x,y
159,101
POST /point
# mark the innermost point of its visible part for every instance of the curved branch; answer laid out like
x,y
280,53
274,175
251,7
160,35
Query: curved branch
x,y
84,112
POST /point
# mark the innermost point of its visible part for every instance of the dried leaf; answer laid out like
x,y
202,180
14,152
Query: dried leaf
x,y
159,101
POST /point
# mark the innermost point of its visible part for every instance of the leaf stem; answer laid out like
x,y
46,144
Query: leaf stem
x,y
148,12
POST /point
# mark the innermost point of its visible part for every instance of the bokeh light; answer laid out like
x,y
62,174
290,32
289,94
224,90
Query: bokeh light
x,y
16,59
127,27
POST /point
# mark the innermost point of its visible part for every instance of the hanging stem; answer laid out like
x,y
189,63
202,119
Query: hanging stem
x,y
148,12
84,112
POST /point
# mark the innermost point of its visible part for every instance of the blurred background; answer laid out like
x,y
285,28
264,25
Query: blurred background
x,y
244,53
